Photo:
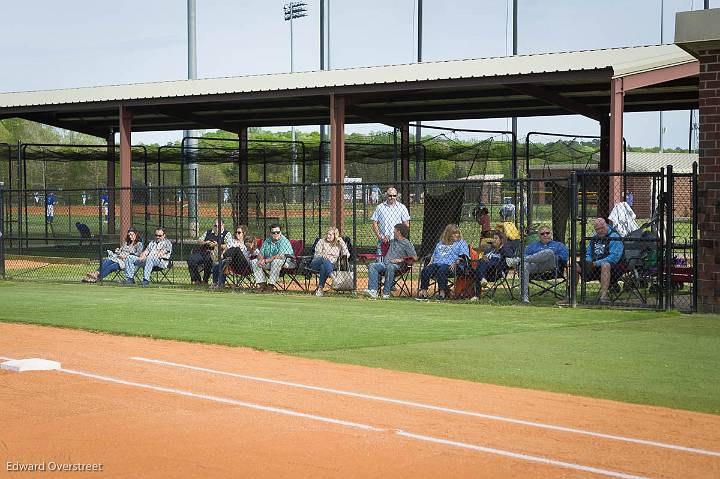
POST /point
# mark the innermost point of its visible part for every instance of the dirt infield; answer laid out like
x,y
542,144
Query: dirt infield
x,y
144,408
23,263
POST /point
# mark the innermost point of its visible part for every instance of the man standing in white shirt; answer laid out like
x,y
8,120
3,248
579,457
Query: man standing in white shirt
x,y
386,216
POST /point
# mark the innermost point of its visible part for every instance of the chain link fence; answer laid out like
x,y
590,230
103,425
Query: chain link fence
x,y
505,224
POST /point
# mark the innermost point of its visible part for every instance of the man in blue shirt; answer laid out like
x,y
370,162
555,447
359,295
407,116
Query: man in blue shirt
x,y
602,257
541,256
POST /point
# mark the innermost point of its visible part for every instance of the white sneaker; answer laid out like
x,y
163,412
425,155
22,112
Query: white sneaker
x,y
385,296
474,298
370,293
512,262
318,292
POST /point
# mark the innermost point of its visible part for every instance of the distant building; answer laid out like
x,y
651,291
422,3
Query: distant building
x,y
640,187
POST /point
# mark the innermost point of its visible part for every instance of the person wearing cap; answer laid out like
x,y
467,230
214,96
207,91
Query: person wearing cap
x,y
204,255
602,257
482,216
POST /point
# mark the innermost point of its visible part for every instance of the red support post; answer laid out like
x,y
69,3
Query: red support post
x,y
617,109
337,160
111,182
243,176
405,164
125,169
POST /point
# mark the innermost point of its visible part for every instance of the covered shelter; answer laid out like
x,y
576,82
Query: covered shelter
x,y
599,84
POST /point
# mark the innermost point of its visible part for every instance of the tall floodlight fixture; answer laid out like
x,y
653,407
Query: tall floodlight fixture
x,y
293,10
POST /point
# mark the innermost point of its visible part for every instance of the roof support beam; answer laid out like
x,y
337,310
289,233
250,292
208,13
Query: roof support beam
x,y
654,77
198,119
372,117
550,96
51,121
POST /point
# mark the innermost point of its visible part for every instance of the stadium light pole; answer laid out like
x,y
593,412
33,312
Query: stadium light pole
x,y
293,10
191,145
662,40
324,65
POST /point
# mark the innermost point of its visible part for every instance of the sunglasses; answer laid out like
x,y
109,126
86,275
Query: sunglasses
x,y
545,233
391,196
158,236
275,232
238,232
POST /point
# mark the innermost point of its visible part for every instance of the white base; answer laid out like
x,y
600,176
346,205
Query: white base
x,y
34,364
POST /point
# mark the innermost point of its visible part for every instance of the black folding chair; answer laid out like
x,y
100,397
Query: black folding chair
x,y
550,281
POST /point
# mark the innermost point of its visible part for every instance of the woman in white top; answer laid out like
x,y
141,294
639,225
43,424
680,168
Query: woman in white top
x,y
116,259
234,253
328,251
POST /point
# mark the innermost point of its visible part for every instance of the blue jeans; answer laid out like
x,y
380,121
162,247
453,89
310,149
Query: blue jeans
x,y
491,270
218,271
106,267
375,270
324,266
133,262
436,270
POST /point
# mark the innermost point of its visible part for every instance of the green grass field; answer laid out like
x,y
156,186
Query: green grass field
x,y
665,359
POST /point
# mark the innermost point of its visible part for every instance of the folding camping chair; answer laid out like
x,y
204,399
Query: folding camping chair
x,y
550,281
292,273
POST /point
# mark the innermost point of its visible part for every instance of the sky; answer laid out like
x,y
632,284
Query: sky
x,y
75,43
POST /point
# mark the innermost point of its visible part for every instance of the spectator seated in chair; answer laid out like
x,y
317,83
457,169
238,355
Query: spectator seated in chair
x,y
446,258
204,256
541,256
400,248
492,265
602,258
156,255
131,247
273,257
237,253
328,251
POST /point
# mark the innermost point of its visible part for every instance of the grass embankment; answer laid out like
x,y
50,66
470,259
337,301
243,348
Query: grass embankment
x,y
644,357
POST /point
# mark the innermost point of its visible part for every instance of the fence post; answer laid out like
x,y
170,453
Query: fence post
x,y
669,237
572,276
583,234
354,241
519,190
2,230
694,236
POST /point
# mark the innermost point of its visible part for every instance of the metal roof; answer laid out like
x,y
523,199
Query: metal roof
x,y
456,89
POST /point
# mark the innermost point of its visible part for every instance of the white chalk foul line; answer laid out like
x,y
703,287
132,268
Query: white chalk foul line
x,y
431,407
515,455
367,427
219,399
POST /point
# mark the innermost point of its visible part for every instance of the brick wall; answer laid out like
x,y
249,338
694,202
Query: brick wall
x,y
709,183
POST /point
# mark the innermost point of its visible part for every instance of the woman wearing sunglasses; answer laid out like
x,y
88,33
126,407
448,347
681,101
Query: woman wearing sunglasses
x,y
235,254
